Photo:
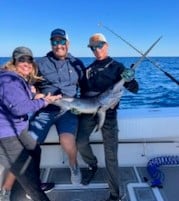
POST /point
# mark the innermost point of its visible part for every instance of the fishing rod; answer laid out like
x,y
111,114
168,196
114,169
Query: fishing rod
x,y
155,64
145,54
134,66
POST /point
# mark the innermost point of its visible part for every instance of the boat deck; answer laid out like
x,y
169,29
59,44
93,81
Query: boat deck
x,y
133,185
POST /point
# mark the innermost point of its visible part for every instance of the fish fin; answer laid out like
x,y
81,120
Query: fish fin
x,y
95,129
114,105
101,118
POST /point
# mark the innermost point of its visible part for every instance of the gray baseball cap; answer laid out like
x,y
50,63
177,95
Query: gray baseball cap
x,y
21,51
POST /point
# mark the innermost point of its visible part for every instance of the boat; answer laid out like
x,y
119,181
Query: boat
x,y
145,135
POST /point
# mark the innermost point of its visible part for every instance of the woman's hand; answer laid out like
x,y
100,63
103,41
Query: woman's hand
x,y
50,99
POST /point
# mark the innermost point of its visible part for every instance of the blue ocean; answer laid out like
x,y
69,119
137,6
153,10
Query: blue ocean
x,y
156,89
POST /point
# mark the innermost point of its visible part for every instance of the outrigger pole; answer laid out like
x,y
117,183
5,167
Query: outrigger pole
x,y
155,64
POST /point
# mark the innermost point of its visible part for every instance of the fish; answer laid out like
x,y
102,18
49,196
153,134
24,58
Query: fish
x,y
92,105
100,103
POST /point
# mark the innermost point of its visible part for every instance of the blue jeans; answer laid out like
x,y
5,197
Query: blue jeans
x,y
22,157
41,123
110,139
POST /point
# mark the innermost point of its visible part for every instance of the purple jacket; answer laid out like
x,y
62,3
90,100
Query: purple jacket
x,y
15,103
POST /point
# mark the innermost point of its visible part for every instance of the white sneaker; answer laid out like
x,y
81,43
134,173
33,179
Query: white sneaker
x,y
46,187
4,195
75,174
28,197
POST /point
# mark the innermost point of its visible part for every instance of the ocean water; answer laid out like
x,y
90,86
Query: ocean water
x,y
156,90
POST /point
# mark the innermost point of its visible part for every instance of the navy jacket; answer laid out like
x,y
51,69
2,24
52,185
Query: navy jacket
x,y
60,76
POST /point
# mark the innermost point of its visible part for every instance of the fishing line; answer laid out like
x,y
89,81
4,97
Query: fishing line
x,y
155,64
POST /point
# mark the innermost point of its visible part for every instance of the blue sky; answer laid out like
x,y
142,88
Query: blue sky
x,y
29,23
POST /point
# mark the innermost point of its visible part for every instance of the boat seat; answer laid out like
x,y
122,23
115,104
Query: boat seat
x,y
148,124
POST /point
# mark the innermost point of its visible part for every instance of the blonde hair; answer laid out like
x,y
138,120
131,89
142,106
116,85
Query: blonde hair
x,y
33,76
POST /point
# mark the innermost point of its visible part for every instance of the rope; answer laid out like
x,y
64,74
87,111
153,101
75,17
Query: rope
x,y
153,168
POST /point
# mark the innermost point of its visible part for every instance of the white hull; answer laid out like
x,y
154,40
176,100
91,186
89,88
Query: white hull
x,y
144,134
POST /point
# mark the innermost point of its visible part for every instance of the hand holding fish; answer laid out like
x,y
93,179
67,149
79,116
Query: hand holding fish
x,y
39,95
128,74
51,98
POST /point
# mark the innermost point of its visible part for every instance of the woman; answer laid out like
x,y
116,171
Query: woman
x,y
18,151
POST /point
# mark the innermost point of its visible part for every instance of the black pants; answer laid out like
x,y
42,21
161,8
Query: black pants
x,y
22,157
110,139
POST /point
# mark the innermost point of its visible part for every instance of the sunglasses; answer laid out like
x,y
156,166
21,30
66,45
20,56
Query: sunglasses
x,y
58,42
24,59
99,46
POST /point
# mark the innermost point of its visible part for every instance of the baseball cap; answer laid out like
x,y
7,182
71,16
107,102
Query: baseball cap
x,y
96,38
21,51
59,33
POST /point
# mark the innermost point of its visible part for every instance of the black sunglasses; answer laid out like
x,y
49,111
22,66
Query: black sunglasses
x,y
99,46
27,59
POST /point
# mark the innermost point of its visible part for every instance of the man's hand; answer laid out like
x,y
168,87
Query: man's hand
x,y
128,74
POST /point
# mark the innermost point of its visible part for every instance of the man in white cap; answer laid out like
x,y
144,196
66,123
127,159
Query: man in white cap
x,y
102,74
